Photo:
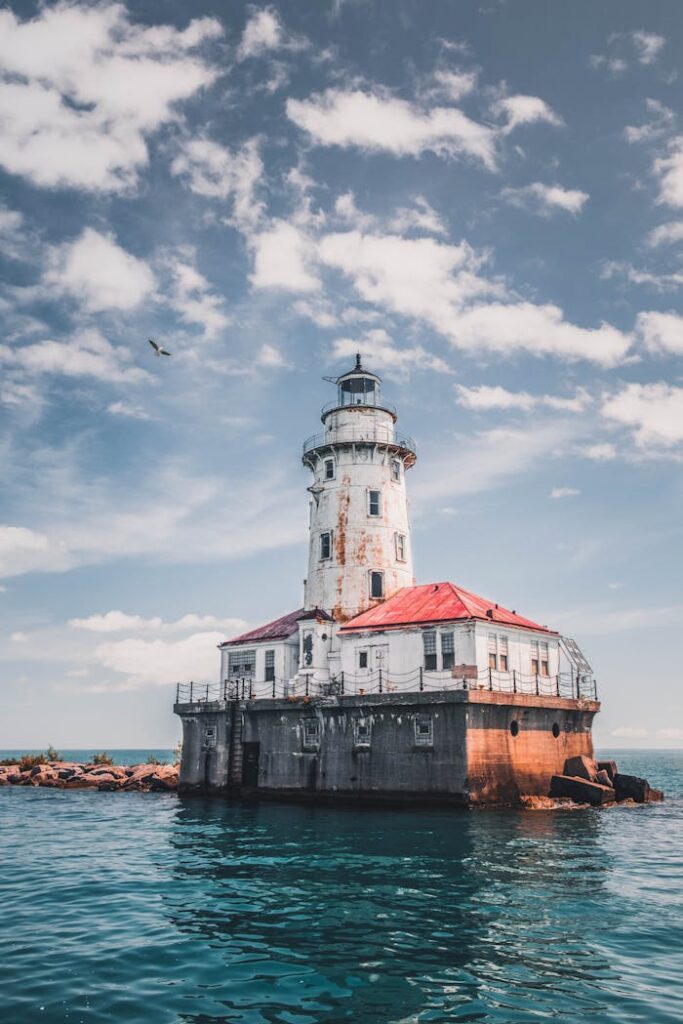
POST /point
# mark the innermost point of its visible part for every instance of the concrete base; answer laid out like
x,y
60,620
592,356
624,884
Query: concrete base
x,y
456,748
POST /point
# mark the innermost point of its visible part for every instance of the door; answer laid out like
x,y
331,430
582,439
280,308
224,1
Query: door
x,y
250,758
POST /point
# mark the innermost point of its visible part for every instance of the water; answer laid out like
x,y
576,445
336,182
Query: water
x,y
143,907
84,755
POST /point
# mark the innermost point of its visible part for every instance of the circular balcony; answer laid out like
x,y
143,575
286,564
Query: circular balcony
x,y
401,444
338,406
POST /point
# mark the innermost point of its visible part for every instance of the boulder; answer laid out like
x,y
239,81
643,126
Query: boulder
x,y
581,790
632,786
603,778
581,767
610,767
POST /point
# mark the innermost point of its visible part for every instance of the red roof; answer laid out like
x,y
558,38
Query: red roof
x,y
435,602
279,629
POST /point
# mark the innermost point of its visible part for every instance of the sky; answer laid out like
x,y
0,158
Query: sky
x,y
485,198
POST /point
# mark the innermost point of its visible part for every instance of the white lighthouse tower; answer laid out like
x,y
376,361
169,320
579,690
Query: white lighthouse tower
x,y
359,548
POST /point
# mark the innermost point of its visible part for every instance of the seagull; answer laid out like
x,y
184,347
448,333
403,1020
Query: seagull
x,y
158,350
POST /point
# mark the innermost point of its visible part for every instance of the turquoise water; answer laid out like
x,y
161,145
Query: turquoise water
x,y
143,907
85,754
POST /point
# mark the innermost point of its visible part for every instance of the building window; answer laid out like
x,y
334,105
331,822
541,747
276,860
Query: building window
x,y
270,666
503,653
540,658
362,659
545,659
209,737
376,584
325,545
400,539
241,663
498,652
447,651
329,469
311,732
361,732
429,641
395,470
307,648
424,731
374,503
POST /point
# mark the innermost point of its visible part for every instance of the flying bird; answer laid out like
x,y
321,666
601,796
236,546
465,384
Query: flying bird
x,y
158,350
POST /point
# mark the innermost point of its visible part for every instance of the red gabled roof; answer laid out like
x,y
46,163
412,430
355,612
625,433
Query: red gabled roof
x,y
279,629
435,602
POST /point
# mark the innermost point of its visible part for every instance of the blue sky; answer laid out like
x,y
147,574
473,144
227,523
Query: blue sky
x,y
485,198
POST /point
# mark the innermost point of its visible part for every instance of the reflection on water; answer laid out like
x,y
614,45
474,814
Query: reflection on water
x,y
146,907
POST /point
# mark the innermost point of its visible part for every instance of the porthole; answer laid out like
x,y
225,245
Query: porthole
x,y
556,730
514,727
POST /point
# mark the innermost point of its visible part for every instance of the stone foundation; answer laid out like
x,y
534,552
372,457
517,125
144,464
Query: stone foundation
x,y
457,747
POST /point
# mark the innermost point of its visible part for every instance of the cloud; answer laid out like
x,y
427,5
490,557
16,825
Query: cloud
x,y
270,356
215,172
545,199
615,65
483,398
670,734
264,34
662,119
647,46
564,492
87,354
376,121
12,232
128,411
659,281
161,662
191,295
600,452
661,333
630,732
450,85
282,259
653,411
97,273
82,88
666,234
519,110
22,550
420,217
379,349
669,170
120,622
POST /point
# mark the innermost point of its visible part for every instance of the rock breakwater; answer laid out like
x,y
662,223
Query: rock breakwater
x,y
107,778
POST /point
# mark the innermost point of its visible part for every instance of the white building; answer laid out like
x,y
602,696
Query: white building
x,y
364,625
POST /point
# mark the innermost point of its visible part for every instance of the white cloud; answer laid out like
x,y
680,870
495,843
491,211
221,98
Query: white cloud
x,y
12,232
629,732
647,46
669,170
87,354
615,65
661,282
450,85
662,118
213,171
653,411
670,734
129,411
269,355
120,622
19,638
564,492
661,333
376,121
96,272
191,295
484,397
161,662
666,234
379,349
81,90
437,283
262,33
23,550
546,199
282,259
420,217
519,110
600,452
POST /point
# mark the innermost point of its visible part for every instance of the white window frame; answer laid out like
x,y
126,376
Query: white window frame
x,y
443,634
396,470
312,738
366,666
371,576
423,739
499,647
431,633
328,534
378,513
329,462
401,546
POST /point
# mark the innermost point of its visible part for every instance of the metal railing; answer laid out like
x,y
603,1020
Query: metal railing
x,y
569,685
382,405
351,435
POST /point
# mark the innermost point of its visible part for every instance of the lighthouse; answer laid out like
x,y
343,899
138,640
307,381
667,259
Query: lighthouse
x,y
359,551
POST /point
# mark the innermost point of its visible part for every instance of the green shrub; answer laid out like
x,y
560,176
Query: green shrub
x,y
154,760
52,755
28,761
103,758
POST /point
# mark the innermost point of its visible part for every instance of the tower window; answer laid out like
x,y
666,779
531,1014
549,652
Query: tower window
x,y
329,469
375,503
361,732
362,659
424,731
325,545
270,666
400,539
429,641
395,470
376,584
311,732
447,651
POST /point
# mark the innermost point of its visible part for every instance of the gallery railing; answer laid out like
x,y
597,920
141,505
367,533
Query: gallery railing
x,y
566,684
